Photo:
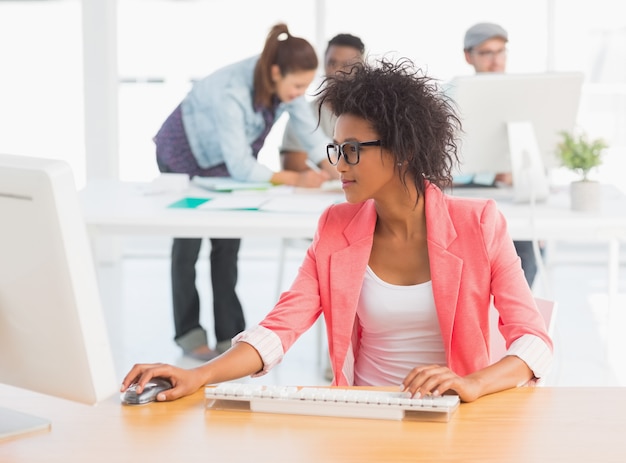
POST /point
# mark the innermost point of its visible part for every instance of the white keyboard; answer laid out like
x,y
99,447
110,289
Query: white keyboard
x,y
329,401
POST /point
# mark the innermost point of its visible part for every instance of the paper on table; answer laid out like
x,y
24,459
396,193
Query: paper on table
x,y
228,184
298,203
270,203
236,202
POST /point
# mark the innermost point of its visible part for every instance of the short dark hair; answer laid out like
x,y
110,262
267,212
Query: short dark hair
x,y
347,40
415,121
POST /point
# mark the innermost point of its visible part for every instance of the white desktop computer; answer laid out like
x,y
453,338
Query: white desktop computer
x,y
512,123
53,337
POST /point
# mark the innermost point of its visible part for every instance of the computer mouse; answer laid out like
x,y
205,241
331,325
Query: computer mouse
x,y
149,393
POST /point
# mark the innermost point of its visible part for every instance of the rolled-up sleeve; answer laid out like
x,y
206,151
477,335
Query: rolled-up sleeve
x,y
534,352
267,344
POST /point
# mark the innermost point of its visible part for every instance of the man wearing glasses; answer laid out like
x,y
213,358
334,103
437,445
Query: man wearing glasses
x,y
485,47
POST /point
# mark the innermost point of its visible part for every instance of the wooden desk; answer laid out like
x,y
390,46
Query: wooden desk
x,y
521,425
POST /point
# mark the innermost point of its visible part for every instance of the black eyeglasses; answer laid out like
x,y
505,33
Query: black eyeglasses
x,y
351,151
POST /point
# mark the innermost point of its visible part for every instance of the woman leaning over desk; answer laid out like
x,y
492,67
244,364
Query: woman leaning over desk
x,y
217,131
403,273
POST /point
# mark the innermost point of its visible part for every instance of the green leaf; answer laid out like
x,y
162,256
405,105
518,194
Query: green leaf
x,y
580,154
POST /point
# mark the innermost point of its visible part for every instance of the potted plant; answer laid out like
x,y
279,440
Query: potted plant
x,y
580,154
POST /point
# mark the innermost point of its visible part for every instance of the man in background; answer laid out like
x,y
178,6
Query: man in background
x,y
342,51
484,47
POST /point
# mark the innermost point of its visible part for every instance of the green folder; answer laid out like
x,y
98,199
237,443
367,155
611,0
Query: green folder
x,y
188,203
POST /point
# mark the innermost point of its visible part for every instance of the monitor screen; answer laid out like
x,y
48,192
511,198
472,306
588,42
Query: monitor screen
x,y
487,102
53,337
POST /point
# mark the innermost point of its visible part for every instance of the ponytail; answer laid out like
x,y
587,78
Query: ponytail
x,y
289,53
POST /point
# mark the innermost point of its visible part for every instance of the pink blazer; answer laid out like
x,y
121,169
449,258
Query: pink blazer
x,y
471,258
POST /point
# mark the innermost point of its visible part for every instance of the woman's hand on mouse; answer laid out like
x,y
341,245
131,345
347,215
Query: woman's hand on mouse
x,y
184,381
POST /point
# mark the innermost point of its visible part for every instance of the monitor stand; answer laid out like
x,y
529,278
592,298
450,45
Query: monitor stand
x,y
14,423
530,181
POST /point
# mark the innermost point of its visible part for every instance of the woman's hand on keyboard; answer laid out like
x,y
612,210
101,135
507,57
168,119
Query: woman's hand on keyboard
x,y
437,380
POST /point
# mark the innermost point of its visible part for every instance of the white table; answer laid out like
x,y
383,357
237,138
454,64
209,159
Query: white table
x,y
113,207
120,208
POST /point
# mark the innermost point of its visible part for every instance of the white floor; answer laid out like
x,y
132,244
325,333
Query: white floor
x,y
589,338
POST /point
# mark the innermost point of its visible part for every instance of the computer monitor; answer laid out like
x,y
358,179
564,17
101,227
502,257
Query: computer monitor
x,y
500,113
53,337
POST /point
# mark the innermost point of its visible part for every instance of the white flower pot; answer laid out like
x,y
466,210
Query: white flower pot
x,y
585,195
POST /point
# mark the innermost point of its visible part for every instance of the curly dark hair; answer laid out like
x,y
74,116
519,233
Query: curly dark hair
x,y
416,122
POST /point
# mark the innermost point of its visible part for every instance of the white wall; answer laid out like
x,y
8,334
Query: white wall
x,y
41,85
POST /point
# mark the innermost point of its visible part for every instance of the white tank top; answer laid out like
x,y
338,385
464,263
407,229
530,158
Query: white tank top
x,y
399,331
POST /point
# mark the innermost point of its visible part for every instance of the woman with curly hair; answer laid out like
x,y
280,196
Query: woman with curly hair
x,y
404,274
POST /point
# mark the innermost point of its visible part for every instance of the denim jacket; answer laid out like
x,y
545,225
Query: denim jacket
x,y
221,124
